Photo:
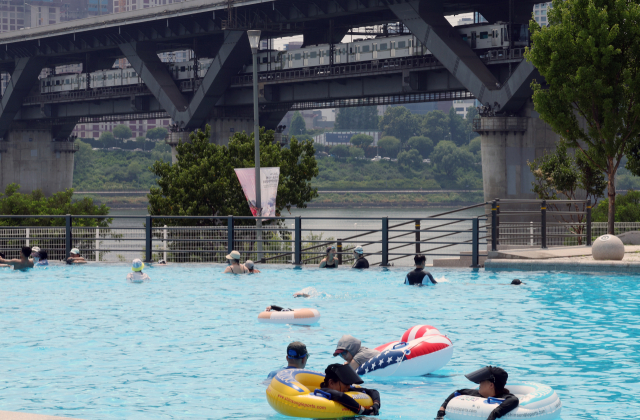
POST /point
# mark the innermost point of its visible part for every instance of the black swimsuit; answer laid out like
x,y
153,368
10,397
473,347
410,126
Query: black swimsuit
x,y
326,265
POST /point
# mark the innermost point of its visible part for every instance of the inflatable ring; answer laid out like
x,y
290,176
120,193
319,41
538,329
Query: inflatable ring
x,y
294,392
537,401
303,316
421,350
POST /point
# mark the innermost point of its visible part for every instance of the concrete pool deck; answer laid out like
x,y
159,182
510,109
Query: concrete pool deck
x,y
575,258
12,415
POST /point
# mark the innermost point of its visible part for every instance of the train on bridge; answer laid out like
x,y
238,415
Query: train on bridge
x,y
478,36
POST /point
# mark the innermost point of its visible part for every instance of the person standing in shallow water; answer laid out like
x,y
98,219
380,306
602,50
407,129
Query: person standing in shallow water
x,y
416,276
20,263
235,267
361,261
330,261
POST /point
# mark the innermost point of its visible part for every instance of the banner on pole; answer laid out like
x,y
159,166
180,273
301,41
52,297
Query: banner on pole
x,y
269,178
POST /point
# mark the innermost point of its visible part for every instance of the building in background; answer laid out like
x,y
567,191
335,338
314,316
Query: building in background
x,y
540,13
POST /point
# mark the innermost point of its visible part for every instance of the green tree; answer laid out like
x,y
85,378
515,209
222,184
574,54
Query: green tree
x,y
362,140
340,150
357,118
475,145
423,145
457,128
158,133
472,113
108,140
389,145
400,123
588,56
298,126
203,181
448,157
435,125
122,132
356,152
410,159
13,202
627,209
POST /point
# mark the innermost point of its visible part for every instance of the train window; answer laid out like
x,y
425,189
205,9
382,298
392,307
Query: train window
x,y
182,68
297,56
48,83
410,42
402,44
109,77
350,50
484,35
265,59
465,37
313,54
57,82
383,46
365,48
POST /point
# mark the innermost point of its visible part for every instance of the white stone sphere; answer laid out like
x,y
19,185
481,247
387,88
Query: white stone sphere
x,y
608,247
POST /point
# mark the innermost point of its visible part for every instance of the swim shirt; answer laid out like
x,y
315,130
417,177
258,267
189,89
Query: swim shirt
x,y
361,263
273,373
137,277
416,276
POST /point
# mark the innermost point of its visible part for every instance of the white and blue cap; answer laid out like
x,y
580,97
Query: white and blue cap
x,y
358,250
75,251
137,265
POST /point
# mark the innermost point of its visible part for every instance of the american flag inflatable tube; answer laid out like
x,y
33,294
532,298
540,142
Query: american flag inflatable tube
x,y
537,401
422,349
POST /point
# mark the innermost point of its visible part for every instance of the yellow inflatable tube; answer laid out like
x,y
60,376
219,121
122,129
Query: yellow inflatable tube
x,y
291,393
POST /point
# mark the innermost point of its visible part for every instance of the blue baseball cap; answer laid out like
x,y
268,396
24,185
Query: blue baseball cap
x,y
297,350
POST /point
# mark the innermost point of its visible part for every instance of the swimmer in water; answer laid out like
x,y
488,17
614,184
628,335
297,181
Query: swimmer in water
x,y
235,267
21,263
330,261
137,276
339,379
416,276
517,282
75,258
251,267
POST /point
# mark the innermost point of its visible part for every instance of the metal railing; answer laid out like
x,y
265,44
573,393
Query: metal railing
x,y
293,240
571,223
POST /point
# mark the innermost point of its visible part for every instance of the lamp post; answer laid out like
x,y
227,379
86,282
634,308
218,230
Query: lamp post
x,y
254,42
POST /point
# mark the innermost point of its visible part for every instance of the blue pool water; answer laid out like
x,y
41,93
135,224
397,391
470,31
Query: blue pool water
x,y
81,342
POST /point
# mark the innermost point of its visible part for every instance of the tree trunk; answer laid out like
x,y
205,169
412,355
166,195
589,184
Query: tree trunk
x,y
611,189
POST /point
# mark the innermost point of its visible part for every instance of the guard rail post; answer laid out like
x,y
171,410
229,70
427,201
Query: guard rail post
x,y
417,236
475,239
589,222
543,223
494,228
229,234
298,243
339,251
385,242
497,221
148,239
68,244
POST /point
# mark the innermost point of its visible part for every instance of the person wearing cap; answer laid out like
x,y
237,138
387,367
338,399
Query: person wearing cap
x,y
137,276
75,258
235,267
250,267
492,381
20,263
351,350
39,257
339,379
416,276
361,261
297,356
330,261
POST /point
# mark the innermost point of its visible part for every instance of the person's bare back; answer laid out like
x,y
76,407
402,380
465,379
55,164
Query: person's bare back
x,y
21,263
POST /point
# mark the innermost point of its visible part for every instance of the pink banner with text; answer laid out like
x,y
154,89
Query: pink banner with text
x,y
268,189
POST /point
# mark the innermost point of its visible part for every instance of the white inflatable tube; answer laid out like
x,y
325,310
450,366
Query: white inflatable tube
x,y
303,316
537,401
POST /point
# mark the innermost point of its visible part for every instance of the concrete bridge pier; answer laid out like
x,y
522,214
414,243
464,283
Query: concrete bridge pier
x,y
31,158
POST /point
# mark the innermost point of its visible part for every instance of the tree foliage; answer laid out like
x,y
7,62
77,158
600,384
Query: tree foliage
x,y
356,152
410,159
362,140
475,145
389,145
435,125
457,128
448,157
400,123
422,144
340,150
627,209
298,126
203,181
122,132
357,118
589,59
108,139
13,202
158,133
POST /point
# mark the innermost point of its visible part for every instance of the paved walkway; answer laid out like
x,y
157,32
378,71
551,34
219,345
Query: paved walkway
x,y
563,259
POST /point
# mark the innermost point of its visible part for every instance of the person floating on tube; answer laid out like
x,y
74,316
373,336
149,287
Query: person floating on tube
x,y
492,381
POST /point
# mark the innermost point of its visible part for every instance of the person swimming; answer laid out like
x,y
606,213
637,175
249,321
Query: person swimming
x,y
330,261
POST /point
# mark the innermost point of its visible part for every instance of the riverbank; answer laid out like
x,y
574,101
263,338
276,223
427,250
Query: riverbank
x,y
327,199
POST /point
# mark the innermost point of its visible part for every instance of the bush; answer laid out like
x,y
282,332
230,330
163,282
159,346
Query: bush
x,y
410,158
340,150
422,144
389,145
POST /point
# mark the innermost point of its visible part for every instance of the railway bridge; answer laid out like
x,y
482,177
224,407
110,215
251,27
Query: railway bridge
x,y
35,127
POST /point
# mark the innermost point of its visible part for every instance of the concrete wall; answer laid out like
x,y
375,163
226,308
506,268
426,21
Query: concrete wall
x,y
29,158
505,155
222,129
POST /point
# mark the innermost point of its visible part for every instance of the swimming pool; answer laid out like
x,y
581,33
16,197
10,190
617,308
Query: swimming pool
x,y
81,342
